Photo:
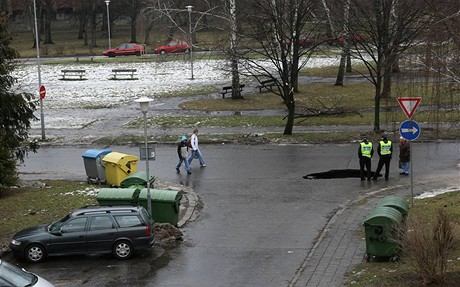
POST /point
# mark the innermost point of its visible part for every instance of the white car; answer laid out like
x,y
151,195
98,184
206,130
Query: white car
x,y
13,276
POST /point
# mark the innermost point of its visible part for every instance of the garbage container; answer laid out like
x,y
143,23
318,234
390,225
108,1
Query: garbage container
x,y
379,230
118,166
165,204
396,202
118,196
94,166
139,178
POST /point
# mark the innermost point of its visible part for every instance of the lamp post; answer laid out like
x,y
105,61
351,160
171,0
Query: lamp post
x,y
189,8
37,44
144,104
107,2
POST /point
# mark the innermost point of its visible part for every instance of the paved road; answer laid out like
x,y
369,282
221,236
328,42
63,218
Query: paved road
x,y
260,219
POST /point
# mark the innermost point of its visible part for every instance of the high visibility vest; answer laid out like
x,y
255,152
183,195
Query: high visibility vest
x,y
366,149
385,148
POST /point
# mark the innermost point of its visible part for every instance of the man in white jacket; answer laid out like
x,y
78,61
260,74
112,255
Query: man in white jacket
x,y
195,150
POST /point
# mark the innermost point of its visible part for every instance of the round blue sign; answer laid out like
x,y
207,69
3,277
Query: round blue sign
x,y
409,130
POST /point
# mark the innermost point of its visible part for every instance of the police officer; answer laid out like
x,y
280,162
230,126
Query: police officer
x,y
385,150
365,153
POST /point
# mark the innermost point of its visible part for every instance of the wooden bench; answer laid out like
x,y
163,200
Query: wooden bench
x,y
267,84
73,74
228,89
81,57
124,73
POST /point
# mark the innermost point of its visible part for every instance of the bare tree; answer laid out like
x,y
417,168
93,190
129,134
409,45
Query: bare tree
x,y
390,26
278,26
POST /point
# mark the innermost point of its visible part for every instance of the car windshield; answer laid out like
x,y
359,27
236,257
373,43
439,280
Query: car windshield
x,y
55,226
11,275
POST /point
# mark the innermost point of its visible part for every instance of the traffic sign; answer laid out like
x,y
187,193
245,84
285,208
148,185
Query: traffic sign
x,y
409,105
42,92
409,130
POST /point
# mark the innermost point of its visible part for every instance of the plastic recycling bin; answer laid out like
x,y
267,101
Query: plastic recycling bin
x,y
165,204
379,229
94,166
139,178
396,202
119,166
118,196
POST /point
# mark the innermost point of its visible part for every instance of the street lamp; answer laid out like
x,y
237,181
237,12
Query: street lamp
x,y
189,8
107,2
37,44
144,104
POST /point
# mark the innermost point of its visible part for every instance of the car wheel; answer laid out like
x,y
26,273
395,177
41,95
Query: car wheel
x,y
111,55
122,249
187,51
138,53
35,253
163,52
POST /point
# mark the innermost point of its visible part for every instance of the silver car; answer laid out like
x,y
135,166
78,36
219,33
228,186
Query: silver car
x,y
13,276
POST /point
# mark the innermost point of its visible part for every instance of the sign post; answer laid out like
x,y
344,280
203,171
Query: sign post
x,y
410,130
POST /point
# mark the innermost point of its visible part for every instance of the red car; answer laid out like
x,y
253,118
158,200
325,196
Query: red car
x,y
174,46
125,49
354,37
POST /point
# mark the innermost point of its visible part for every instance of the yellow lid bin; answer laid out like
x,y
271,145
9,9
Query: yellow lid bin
x,y
119,166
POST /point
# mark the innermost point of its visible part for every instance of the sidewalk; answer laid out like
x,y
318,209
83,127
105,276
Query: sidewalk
x,y
341,245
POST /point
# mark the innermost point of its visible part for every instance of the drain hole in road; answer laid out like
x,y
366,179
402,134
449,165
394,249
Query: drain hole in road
x,y
336,173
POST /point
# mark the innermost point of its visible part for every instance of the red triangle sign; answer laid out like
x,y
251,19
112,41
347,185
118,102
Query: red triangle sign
x,y
409,105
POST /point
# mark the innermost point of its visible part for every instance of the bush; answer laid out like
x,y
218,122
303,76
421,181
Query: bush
x,y
427,246
8,173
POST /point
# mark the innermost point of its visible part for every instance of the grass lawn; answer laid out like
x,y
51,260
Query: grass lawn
x,y
401,273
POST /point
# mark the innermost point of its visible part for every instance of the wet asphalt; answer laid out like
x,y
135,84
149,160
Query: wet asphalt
x,y
261,224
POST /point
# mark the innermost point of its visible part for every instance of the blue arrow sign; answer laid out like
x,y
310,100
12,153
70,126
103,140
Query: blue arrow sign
x,y
409,130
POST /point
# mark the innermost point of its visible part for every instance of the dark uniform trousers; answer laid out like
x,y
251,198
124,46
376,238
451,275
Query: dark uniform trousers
x,y
384,160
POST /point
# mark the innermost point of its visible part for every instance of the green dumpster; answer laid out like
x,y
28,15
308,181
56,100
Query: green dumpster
x,y
396,202
165,204
118,196
379,230
138,178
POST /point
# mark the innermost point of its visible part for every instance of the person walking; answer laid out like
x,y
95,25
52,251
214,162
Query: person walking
x,y
365,153
195,149
384,150
404,156
182,152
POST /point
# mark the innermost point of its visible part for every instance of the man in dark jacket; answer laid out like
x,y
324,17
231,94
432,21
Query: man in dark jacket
x,y
384,150
365,153
182,153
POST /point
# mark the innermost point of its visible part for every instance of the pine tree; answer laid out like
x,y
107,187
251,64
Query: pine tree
x,y
16,111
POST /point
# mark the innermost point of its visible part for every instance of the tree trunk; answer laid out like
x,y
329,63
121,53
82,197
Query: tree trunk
x,y
378,86
93,25
346,48
236,92
134,28
290,103
47,28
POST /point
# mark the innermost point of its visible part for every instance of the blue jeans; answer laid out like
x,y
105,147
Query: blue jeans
x,y
187,165
405,167
200,157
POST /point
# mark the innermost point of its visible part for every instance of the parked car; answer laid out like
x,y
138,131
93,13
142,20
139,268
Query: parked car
x,y
117,230
340,40
13,276
173,46
125,49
